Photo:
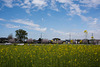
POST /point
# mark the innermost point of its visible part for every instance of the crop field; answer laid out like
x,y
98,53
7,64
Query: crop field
x,y
50,56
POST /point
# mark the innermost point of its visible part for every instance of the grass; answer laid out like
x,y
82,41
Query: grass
x,y
50,56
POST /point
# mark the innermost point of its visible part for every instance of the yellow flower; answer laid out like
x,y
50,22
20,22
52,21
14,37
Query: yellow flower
x,y
92,37
95,53
85,31
31,60
75,60
69,61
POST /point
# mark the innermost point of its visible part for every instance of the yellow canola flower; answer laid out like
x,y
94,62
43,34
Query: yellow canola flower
x,y
75,60
85,31
92,37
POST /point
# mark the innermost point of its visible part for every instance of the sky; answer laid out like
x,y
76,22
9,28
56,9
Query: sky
x,y
52,18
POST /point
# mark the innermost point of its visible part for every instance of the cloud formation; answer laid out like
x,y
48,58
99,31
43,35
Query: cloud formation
x,y
52,4
11,26
1,19
25,22
72,7
29,24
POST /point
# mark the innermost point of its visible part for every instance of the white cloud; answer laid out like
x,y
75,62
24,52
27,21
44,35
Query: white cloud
x,y
40,29
42,19
30,25
84,18
26,22
26,1
59,32
94,24
1,19
11,26
53,5
8,3
39,3
36,28
49,14
94,21
71,7
64,1
90,3
91,22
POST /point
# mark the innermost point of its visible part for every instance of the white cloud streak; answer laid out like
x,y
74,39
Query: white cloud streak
x,y
36,28
90,3
49,14
39,3
11,26
1,19
8,3
25,22
29,25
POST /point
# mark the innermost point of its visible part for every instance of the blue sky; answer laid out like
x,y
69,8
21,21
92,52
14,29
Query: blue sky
x,y
52,18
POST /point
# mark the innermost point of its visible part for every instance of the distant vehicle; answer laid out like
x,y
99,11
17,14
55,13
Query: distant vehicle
x,y
8,43
21,44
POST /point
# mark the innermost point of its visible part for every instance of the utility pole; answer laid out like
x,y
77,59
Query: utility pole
x,y
92,34
69,36
41,36
92,37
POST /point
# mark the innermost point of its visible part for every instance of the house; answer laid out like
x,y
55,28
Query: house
x,y
3,40
57,41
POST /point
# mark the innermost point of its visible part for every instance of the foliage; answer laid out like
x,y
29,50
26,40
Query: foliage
x,y
71,41
30,40
45,41
80,41
10,37
12,40
39,40
50,56
21,35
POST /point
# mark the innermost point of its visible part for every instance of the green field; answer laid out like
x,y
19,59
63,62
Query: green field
x,y
50,56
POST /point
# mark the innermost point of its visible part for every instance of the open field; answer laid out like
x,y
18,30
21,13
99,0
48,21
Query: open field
x,y
50,56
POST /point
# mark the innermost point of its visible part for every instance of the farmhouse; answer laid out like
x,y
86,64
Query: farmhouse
x,y
3,40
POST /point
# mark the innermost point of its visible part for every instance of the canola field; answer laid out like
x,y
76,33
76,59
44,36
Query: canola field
x,y
50,56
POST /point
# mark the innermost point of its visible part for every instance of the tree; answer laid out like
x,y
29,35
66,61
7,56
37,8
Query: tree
x,y
30,40
12,40
45,41
21,35
10,37
56,40
40,40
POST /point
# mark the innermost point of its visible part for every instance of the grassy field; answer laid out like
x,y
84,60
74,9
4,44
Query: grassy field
x,y
50,56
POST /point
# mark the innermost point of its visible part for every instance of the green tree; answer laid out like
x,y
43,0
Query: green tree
x,y
21,35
